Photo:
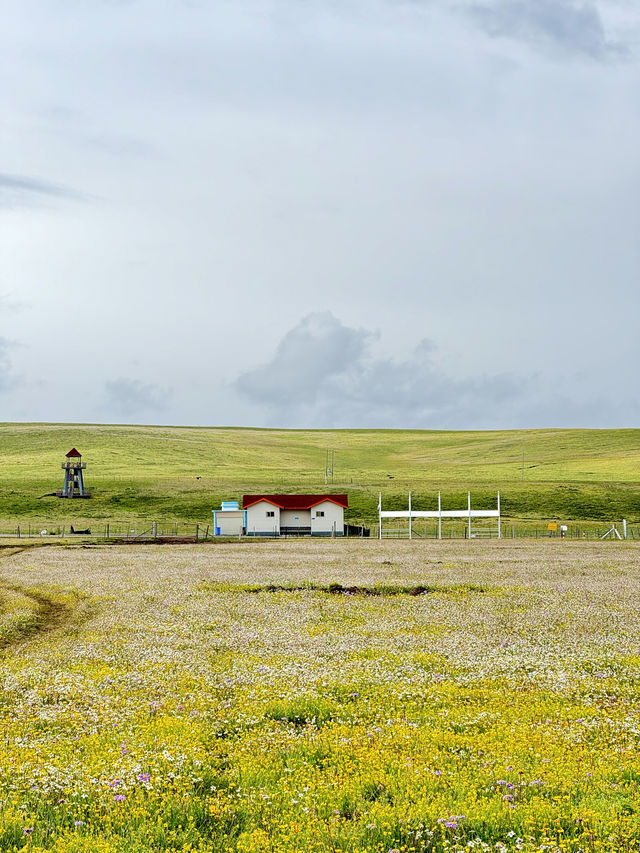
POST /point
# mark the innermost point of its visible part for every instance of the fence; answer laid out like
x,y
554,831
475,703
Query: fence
x,y
512,531
107,530
171,530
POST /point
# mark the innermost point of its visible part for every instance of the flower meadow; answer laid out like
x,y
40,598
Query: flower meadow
x,y
361,696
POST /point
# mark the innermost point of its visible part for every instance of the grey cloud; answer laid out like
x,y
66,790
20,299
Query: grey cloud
x,y
557,26
390,160
131,396
322,374
309,357
21,190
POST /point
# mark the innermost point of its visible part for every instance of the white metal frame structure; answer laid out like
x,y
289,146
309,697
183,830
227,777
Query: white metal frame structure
x,y
439,514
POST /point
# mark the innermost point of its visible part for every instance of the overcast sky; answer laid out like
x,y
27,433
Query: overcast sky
x,y
364,213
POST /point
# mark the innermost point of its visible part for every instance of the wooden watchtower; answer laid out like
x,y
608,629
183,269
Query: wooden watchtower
x,y
73,479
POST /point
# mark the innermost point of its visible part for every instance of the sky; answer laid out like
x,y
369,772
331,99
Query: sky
x,y
329,213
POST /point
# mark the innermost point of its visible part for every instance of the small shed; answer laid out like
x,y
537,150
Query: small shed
x,y
229,520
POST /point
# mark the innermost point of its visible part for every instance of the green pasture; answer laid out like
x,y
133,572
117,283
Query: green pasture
x,y
151,472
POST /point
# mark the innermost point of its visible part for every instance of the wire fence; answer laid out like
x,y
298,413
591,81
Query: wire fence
x,y
107,530
144,530
512,531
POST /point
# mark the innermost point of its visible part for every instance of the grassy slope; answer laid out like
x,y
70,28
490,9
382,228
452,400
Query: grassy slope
x,y
151,471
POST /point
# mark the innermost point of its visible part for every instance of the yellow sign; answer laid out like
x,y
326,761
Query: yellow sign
x,y
552,525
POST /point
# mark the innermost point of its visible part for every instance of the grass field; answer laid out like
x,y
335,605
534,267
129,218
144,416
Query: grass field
x,y
321,696
150,472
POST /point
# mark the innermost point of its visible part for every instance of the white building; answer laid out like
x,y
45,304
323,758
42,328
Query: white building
x,y
294,515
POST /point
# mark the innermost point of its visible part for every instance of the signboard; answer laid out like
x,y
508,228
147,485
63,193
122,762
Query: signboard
x,y
552,525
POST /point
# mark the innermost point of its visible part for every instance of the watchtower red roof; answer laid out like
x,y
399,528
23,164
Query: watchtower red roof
x,y
295,501
73,452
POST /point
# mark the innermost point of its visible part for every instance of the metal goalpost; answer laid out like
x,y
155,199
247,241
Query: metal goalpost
x,y
439,514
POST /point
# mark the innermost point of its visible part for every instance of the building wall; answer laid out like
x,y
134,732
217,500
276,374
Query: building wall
x,y
295,518
230,522
333,514
259,522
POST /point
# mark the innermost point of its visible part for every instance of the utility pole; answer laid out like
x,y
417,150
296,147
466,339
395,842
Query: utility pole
x,y
329,470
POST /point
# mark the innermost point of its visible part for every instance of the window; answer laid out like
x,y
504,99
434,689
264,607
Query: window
x,y
320,513
271,514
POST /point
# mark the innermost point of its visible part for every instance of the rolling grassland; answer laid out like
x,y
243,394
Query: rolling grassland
x,y
358,696
152,472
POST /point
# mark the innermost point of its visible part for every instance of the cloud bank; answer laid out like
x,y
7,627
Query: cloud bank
x,y
559,27
324,373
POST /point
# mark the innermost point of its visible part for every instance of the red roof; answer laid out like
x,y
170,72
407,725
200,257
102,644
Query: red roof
x,y
295,501
73,452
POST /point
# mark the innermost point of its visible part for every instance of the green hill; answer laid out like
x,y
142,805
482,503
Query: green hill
x,y
151,472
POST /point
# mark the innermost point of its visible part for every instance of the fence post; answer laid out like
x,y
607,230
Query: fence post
x,y
18,531
197,531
